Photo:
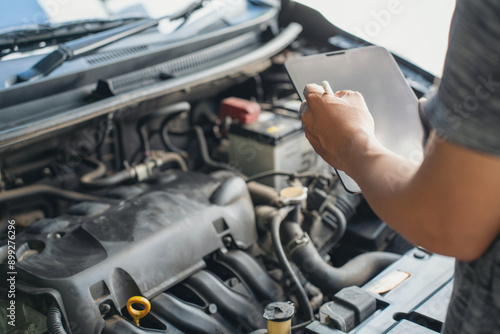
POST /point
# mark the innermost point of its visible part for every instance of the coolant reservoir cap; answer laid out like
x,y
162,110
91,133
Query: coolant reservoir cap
x,y
279,311
293,195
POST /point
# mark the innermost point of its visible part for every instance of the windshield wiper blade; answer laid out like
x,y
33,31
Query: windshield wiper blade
x,y
45,32
81,46
86,44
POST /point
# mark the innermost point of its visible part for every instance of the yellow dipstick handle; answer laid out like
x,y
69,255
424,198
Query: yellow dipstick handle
x,y
138,314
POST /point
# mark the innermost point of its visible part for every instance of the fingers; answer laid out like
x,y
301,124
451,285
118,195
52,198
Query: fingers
x,y
304,115
421,103
316,144
326,89
302,111
307,117
342,93
320,90
313,89
303,108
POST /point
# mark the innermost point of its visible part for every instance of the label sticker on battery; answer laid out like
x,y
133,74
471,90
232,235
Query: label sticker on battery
x,y
389,282
276,128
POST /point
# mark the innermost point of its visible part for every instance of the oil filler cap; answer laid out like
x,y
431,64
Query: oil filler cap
x,y
279,311
279,317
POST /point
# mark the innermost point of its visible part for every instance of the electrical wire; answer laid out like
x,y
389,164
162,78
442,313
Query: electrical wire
x,y
292,175
285,265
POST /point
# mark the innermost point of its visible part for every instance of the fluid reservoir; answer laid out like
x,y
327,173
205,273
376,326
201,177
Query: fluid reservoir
x,y
272,142
279,317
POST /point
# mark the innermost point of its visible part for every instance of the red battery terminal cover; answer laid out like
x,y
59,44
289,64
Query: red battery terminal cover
x,y
243,111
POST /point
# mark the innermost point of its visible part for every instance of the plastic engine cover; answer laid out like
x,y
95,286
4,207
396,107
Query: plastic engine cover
x,y
150,237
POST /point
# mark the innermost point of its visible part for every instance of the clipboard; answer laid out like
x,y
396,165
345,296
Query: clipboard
x,y
375,74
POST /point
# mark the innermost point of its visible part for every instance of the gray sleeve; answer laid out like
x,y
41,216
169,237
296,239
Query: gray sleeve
x,y
466,108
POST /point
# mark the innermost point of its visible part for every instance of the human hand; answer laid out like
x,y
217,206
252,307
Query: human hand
x,y
339,126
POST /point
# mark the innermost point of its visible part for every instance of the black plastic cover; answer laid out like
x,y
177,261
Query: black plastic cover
x,y
417,304
350,306
150,239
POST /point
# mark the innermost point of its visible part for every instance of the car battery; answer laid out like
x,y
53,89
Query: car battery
x,y
272,143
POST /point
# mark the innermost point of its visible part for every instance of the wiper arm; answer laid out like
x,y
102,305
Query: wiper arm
x,y
186,12
44,32
81,46
90,43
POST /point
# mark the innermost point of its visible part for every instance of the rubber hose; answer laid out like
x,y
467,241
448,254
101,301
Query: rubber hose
x,y
15,194
167,157
207,159
95,179
165,137
112,180
54,321
305,307
262,194
141,124
329,279
341,225
254,275
205,154
270,173
100,171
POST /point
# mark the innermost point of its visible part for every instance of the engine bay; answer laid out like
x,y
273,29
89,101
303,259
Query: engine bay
x,y
200,194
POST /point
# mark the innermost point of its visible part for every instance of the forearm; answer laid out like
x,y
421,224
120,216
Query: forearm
x,y
437,205
388,184
448,204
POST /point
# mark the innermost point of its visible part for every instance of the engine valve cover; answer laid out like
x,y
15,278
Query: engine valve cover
x,y
147,238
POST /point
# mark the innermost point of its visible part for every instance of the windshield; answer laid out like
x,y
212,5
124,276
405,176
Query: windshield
x,y
415,30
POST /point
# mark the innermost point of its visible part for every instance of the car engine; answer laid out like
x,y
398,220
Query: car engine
x,y
178,194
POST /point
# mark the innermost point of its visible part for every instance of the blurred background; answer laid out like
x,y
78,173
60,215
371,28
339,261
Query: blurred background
x,y
415,30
